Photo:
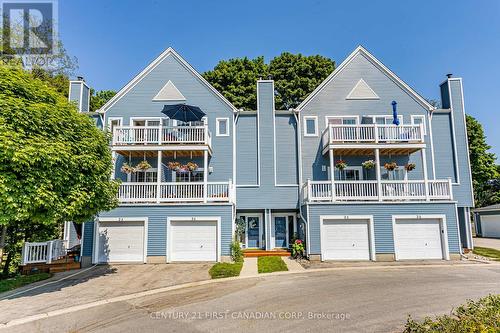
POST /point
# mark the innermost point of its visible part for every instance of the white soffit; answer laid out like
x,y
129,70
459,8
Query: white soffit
x,y
362,91
169,92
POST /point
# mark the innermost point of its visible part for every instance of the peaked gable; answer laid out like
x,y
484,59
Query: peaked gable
x,y
169,92
165,54
393,77
362,91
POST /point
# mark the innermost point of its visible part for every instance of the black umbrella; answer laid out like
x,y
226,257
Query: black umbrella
x,y
183,112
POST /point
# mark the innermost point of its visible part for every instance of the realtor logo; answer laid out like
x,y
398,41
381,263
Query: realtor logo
x,y
29,27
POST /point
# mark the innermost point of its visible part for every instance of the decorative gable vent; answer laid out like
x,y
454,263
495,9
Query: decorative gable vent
x,y
169,92
362,91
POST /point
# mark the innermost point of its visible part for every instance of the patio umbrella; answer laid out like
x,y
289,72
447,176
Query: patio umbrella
x,y
183,112
395,113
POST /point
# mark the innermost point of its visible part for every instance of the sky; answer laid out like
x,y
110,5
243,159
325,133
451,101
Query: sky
x,y
421,41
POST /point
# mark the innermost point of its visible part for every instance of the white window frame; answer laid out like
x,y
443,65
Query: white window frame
x,y
315,118
146,119
421,116
358,168
217,122
174,176
400,117
384,171
155,170
356,118
111,119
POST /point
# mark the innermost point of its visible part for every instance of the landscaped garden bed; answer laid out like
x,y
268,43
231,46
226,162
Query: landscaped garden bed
x,y
271,264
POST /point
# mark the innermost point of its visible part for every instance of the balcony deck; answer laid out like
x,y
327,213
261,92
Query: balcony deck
x,y
363,139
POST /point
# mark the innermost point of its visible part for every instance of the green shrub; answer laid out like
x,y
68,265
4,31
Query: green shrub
x,y
271,264
236,252
225,269
474,316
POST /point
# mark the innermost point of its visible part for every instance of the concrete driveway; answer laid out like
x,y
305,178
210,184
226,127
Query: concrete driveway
x,y
94,284
492,243
342,300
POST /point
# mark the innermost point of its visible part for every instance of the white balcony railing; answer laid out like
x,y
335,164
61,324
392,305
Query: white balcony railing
x,y
372,133
43,252
388,190
147,135
176,192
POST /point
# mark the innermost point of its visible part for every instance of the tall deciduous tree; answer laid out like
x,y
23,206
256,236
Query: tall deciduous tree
x,y
98,99
54,163
295,77
483,167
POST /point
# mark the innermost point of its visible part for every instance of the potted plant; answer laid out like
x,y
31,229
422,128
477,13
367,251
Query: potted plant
x,y
391,166
298,249
128,169
370,164
174,166
143,165
191,166
341,164
410,166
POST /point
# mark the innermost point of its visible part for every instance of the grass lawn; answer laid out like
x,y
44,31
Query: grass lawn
x,y
487,252
225,269
21,280
271,264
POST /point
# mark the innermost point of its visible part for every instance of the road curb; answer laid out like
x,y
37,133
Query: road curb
x,y
75,308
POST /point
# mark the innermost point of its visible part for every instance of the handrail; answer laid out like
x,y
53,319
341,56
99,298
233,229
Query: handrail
x,y
42,252
147,135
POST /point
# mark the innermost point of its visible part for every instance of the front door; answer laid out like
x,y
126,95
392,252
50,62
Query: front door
x,y
253,232
280,232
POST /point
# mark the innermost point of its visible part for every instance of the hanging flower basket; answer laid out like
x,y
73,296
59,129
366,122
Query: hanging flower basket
x,y
144,165
410,166
183,169
341,165
191,166
391,166
174,166
126,168
370,164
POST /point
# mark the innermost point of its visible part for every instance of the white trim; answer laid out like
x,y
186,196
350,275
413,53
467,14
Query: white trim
x,y
316,131
110,119
257,122
371,230
361,50
421,116
354,167
261,227
273,228
172,86
444,231
361,81
216,219
217,122
95,257
169,51
82,241
373,116
341,117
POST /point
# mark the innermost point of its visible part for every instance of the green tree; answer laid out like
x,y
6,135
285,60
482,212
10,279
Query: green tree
x,y
98,99
54,163
483,167
295,77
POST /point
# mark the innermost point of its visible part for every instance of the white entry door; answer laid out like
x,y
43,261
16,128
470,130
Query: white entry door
x,y
193,241
418,239
345,239
121,241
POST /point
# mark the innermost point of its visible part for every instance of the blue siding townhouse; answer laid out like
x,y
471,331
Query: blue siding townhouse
x,y
335,172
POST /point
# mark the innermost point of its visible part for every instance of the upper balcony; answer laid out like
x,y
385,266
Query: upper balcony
x,y
355,139
181,137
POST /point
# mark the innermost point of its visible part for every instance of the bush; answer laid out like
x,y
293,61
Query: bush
x,y
236,252
474,316
225,269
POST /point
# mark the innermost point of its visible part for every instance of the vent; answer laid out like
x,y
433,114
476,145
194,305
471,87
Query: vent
x,y
362,91
169,92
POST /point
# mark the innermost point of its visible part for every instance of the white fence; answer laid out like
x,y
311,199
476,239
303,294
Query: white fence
x,y
176,192
372,133
387,190
144,135
43,252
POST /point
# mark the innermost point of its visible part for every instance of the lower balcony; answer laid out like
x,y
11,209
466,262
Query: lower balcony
x,y
385,190
176,192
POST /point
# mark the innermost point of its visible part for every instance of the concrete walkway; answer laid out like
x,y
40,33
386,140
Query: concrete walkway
x,y
492,243
249,267
292,265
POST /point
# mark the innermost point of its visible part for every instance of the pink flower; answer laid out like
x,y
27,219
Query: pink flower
x,y
298,241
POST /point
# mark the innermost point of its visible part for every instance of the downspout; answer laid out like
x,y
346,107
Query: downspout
x,y
299,153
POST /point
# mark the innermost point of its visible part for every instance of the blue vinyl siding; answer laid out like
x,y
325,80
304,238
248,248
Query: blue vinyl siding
x,y
443,146
382,216
246,154
157,222
286,149
88,238
85,99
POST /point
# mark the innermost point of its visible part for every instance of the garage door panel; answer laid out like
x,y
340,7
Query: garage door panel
x,y
345,240
121,241
418,239
490,226
193,241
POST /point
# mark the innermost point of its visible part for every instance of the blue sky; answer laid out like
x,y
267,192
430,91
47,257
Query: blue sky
x,y
420,41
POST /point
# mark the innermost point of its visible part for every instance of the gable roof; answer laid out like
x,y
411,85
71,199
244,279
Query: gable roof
x,y
169,92
491,208
168,52
361,50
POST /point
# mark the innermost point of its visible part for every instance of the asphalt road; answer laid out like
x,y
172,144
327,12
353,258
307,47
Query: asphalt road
x,y
354,300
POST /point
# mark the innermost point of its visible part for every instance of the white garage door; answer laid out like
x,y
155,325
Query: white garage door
x,y
345,240
418,239
121,241
193,241
490,226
